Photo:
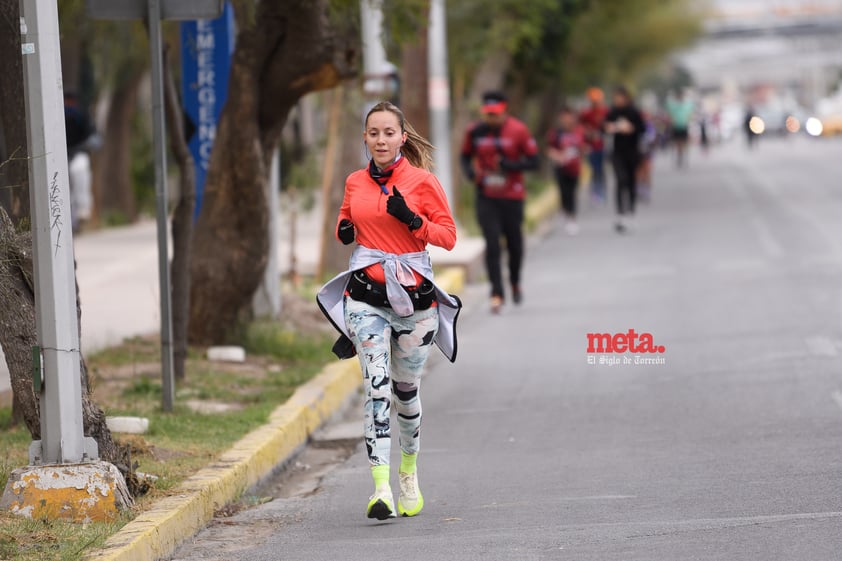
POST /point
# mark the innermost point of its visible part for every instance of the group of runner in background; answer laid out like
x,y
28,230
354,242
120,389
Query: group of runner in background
x,y
498,148
620,135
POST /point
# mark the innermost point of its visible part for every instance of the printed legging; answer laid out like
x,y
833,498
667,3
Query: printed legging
x,y
392,352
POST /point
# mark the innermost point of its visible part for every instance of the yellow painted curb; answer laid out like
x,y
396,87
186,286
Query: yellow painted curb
x,y
156,533
452,279
541,208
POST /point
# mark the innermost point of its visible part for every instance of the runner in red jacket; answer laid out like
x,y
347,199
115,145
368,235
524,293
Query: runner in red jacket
x,y
565,145
495,153
592,119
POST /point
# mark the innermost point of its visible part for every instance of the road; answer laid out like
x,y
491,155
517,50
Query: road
x,y
729,450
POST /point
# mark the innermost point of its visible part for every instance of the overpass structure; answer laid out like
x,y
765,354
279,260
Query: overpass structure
x,y
779,42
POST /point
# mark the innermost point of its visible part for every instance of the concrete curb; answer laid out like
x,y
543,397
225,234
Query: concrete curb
x,y
156,533
451,279
542,207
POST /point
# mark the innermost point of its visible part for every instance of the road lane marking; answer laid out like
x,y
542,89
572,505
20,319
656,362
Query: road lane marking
x,y
795,209
837,397
821,346
520,504
646,272
767,240
707,524
740,265
772,357
824,260
598,498
480,410
572,275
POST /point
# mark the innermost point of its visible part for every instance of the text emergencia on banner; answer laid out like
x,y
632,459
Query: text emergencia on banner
x,y
206,49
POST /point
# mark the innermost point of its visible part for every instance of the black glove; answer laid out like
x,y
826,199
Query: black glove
x,y
396,206
510,165
346,232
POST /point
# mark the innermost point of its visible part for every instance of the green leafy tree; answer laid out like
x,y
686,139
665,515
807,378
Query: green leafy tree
x,y
617,41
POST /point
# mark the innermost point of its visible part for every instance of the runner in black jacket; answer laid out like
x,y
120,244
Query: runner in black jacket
x,y
625,122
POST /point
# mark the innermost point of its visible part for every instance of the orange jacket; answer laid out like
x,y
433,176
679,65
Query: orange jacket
x,y
365,205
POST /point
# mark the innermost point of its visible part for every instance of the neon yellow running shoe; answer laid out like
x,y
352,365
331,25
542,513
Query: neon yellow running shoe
x,y
410,502
380,505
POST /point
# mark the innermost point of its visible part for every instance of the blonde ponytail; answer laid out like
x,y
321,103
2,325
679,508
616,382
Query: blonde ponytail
x,y
417,149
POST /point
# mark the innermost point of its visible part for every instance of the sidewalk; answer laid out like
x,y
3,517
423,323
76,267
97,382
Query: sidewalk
x,y
117,272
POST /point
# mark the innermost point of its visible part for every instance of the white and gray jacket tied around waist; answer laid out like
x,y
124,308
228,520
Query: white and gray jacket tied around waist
x,y
331,297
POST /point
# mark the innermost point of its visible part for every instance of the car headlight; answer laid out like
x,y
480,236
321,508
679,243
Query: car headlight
x,y
813,127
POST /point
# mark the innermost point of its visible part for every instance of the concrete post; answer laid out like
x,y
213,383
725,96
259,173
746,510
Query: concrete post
x,y
62,436
267,300
154,11
374,55
439,96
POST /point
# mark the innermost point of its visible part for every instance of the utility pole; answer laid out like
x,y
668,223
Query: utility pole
x,y
267,300
439,96
379,75
64,478
62,437
375,64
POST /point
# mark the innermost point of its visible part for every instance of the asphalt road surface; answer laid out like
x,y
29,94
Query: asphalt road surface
x,y
728,450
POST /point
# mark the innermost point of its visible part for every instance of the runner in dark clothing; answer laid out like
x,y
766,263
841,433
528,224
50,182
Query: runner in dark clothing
x,y
565,145
593,119
625,123
495,153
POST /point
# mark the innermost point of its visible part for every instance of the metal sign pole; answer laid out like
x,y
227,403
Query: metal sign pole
x,y
159,150
62,435
154,11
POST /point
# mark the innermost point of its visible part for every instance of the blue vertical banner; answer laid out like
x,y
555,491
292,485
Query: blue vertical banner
x,y
206,49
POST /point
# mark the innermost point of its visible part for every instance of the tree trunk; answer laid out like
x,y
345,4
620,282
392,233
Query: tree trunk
x,y
343,122
93,417
116,193
14,174
549,104
71,61
413,97
285,50
18,336
17,319
182,222
14,168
